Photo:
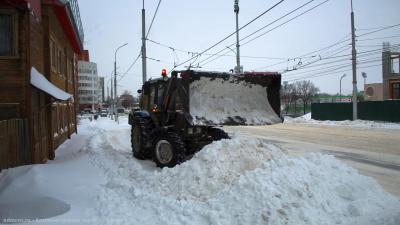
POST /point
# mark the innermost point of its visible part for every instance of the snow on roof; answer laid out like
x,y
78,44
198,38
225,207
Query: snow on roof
x,y
40,82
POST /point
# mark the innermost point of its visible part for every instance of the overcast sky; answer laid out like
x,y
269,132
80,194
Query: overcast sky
x,y
193,25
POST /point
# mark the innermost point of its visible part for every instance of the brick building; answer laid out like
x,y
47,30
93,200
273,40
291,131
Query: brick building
x,y
391,75
40,44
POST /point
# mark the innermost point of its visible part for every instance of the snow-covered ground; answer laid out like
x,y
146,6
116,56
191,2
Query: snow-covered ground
x,y
95,180
357,123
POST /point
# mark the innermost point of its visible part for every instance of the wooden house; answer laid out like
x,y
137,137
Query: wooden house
x,y
40,42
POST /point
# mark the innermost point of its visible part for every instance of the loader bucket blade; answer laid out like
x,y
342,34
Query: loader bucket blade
x,y
226,99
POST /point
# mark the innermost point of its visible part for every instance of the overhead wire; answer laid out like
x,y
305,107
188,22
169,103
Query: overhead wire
x,y
152,20
378,38
130,67
216,54
340,66
147,34
276,26
334,72
230,35
379,30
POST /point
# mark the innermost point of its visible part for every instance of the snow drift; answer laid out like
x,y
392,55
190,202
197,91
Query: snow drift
x,y
347,123
238,181
244,181
219,101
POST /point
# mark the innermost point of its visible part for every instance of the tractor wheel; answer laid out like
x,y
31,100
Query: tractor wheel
x,y
168,149
217,134
138,138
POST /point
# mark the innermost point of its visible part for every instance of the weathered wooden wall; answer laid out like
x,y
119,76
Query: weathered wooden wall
x,y
12,74
14,143
19,99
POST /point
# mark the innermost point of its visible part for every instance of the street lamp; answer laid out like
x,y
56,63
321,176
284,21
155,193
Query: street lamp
x,y
115,82
340,87
364,75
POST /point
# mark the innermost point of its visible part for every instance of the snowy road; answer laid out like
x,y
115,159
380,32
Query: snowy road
x,y
243,180
374,152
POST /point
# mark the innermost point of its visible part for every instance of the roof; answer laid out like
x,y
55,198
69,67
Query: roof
x,y
40,82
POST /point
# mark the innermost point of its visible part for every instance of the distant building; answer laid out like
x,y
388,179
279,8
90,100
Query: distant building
x,y
390,87
101,83
373,92
89,90
40,42
126,100
391,75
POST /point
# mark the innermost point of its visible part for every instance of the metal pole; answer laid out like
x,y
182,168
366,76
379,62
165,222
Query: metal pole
x,y
112,98
144,69
236,10
115,88
92,74
340,87
354,62
115,82
108,93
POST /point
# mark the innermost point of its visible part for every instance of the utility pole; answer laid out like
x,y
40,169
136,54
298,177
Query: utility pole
x,y
92,74
112,99
115,82
144,69
236,10
108,93
115,87
340,87
354,63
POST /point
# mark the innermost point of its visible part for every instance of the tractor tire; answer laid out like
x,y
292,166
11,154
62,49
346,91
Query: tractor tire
x,y
217,134
168,149
139,136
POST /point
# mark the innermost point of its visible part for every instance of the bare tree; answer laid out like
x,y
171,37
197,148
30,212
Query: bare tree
x,y
306,91
285,96
127,100
288,95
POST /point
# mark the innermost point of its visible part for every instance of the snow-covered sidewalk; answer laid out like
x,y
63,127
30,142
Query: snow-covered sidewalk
x,y
347,123
95,180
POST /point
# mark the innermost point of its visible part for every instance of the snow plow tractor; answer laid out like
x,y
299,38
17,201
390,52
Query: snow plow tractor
x,y
182,113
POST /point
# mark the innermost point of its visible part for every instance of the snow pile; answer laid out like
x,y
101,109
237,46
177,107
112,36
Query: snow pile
x,y
19,204
315,189
238,181
357,123
215,167
218,101
241,181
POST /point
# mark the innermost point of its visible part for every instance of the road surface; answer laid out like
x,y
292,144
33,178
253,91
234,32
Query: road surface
x,y
373,152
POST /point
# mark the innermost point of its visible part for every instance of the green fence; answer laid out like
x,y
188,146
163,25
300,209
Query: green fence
x,y
379,111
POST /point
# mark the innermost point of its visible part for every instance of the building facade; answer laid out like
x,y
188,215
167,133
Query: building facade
x,y
89,90
38,68
101,83
391,75
390,86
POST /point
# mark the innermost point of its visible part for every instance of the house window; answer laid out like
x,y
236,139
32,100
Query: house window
x,y
7,33
69,70
396,90
59,60
52,54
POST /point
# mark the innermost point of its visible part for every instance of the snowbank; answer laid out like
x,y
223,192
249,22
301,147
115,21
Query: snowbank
x,y
357,123
217,101
214,168
238,181
242,181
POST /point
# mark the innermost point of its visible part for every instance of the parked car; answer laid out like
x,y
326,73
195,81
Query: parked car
x,y
120,110
103,113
